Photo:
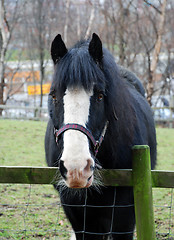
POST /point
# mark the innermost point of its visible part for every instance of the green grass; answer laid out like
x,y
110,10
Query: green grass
x,y
22,144
165,149
163,197
36,208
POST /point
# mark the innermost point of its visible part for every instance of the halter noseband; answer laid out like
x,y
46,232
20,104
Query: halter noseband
x,y
96,143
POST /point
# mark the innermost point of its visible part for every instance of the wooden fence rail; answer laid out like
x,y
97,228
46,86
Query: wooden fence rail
x,y
110,177
140,177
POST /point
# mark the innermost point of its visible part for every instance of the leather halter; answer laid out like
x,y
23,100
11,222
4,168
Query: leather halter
x,y
74,126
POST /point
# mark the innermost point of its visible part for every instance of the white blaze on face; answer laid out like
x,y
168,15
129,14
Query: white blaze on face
x,y
76,146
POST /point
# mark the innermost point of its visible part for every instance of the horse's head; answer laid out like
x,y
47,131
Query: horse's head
x,y
77,105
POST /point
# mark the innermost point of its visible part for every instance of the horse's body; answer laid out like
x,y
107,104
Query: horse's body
x,y
88,89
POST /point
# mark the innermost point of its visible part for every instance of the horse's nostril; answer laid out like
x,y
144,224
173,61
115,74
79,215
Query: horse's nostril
x,y
62,169
89,178
89,165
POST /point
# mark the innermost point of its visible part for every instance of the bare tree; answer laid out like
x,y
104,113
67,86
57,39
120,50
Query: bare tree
x,y
136,32
78,24
156,52
6,30
91,19
39,39
67,5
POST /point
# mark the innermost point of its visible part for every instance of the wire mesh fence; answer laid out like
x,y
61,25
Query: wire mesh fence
x,y
35,212
32,212
164,213
47,221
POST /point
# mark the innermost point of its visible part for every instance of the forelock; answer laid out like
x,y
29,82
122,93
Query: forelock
x,y
78,69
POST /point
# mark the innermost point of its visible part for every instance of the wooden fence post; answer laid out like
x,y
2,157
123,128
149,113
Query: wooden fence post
x,y
142,185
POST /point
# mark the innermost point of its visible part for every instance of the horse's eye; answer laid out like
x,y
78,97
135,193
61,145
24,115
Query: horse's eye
x,y
100,97
52,94
54,97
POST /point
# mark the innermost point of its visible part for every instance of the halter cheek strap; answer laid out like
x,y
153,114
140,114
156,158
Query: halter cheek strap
x,y
78,127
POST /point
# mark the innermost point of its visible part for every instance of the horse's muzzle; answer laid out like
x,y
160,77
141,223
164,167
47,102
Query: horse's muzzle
x,y
77,178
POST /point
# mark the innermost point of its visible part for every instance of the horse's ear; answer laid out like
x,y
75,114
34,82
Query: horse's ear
x,y
58,49
95,48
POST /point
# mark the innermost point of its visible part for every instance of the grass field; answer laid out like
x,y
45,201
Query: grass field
x,y
34,212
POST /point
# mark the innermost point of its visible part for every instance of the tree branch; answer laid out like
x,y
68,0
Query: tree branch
x,y
150,4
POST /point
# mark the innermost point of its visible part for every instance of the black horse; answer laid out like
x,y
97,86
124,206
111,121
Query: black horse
x,y
97,113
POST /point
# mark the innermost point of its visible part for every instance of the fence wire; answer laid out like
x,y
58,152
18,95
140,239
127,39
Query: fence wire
x,y
164,213
31,212
35,212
